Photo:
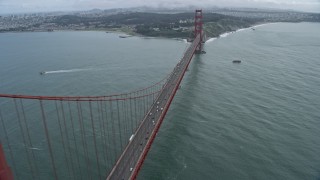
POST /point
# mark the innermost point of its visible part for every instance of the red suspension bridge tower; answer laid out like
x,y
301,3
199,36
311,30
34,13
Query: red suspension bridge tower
x,y
198,29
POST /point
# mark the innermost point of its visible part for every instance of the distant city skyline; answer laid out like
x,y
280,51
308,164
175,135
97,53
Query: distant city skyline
x,y
21,6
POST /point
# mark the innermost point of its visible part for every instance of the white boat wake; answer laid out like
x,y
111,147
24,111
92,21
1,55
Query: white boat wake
x,y
63,71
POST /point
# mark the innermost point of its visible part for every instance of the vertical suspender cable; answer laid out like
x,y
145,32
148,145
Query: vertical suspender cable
x,y
119,124
94,139
67,137
139,110
150,97
144,102
75,140
125,123
106,127
23,138
28,134
153,94
83,137
48,140
147,99
102,130
113,133
131,116
62,139
100,127
135,111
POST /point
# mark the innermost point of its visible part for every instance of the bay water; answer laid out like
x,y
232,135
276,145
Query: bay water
x,y
259,119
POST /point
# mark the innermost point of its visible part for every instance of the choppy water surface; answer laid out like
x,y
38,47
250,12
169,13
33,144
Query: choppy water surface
x,y
256,120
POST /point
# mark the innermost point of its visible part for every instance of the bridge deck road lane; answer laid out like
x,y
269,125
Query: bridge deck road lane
x,y
131,159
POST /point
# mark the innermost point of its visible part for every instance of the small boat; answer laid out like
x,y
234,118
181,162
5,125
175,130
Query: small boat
x,y
42,72
124,36
253,29
236,61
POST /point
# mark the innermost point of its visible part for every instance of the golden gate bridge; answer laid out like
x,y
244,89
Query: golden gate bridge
x,y
87,137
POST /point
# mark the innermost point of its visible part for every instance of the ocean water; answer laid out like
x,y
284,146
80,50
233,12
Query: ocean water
x,y
83,63
256,120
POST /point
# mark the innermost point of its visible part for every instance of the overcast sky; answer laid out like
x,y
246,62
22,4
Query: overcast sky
x,y
15,6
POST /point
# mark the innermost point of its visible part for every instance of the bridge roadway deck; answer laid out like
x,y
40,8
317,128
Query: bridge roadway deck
x,y
129,163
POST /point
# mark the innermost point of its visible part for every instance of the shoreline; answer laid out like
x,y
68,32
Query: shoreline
x,y
116,32
133,34
225,34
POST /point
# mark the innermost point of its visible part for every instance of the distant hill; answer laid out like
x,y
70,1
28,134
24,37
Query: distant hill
x,y
161,23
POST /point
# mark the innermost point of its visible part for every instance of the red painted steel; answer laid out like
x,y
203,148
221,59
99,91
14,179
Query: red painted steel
x,y
75,98
198,23
113,97
5,171
198,27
